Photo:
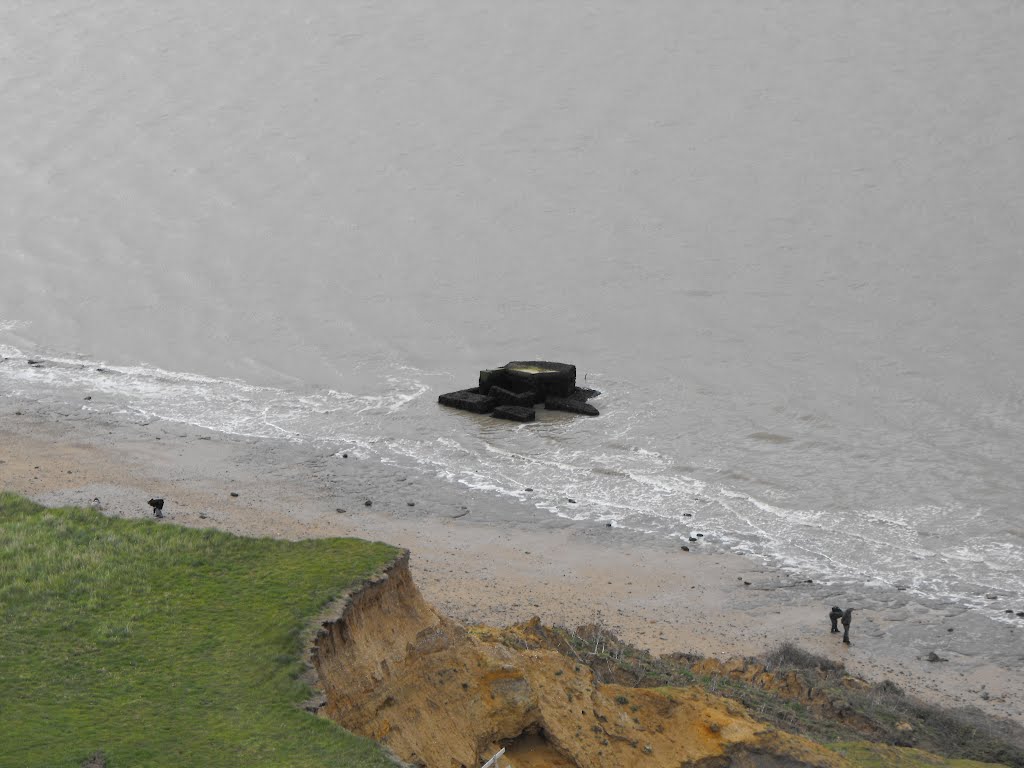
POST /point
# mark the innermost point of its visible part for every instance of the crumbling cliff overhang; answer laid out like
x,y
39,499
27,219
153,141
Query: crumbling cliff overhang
x,y
440,695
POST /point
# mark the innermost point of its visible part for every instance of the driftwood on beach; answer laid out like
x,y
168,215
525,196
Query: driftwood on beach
x,y
512,391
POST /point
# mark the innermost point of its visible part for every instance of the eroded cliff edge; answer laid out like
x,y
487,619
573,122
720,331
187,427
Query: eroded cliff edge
x,y
442,696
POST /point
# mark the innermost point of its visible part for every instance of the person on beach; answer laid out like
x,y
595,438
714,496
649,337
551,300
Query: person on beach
x,y
835,615
847,619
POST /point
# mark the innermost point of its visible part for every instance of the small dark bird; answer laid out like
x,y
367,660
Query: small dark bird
x,y
158,507
847,619
835,615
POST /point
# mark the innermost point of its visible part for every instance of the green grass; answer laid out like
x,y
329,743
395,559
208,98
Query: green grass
x,y
155,645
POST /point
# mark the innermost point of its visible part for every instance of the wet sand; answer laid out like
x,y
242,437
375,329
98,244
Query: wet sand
x,y
485,560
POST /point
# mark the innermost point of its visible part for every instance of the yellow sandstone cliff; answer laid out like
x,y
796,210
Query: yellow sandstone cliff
x,y
441,696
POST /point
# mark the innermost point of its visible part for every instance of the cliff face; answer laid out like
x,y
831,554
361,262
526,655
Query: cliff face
x,y
441,696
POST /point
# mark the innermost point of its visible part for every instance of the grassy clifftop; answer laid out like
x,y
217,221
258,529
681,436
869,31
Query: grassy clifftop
x,y
128,643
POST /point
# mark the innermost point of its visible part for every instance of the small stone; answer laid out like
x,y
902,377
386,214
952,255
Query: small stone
x,y
700,535
746,583
367,503
87,397
411,503
1021,614
571,501
344,455
950,629
234,495
528,490
339,510
607,525
202,515
692,539
685,548
933,657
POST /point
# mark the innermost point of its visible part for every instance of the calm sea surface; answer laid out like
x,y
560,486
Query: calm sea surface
x,y
785,239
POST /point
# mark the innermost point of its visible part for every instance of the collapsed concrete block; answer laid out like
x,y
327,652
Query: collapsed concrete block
x,y
570,405
491,377
514,413
506,397
468,400
521,384
547,378
540,376
583,394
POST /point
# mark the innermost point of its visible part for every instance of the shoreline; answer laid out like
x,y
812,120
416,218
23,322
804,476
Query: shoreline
x,y
485,560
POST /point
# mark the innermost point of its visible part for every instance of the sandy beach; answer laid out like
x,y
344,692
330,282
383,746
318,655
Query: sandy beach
x,y
496,562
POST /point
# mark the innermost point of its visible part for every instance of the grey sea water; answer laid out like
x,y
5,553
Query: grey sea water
x,y
785,239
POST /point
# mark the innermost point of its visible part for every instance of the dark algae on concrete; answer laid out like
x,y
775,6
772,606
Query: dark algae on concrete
x,y
514,389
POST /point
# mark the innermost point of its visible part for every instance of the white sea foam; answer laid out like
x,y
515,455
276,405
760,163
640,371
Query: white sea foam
x,y
224,405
